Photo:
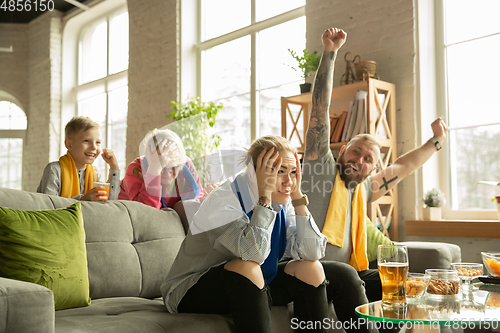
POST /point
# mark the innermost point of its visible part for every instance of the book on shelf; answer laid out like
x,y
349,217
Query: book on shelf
x,y
355,115
339,128
348,120
333,123
360,116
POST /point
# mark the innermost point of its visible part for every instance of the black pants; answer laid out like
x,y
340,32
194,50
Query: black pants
x,y
223,292
347,291
373,285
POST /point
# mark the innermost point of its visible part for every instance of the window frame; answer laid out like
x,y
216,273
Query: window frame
x,y
250,30
14,133
438,173
102,84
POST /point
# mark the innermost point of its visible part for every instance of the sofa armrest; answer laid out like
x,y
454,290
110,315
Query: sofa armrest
x,y
25,307
423,255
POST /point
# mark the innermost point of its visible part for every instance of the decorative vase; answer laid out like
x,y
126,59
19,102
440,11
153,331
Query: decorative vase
x,y
432,213
305,87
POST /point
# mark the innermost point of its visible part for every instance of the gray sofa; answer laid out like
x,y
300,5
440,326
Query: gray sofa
x,y
130,248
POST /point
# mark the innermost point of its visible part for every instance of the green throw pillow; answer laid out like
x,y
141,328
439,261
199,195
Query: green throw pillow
x,y
374,238
47,247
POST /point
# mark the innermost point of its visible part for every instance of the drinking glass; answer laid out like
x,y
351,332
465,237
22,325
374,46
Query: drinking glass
x,y
467,272
102,197
393,268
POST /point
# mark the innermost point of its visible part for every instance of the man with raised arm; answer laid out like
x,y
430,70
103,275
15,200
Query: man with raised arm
x,y
339,190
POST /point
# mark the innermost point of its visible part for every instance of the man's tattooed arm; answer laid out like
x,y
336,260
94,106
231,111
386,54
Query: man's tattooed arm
x,y
318,132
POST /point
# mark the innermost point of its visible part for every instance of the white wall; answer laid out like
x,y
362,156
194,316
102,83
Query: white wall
x,y
153,71
14,65
32,75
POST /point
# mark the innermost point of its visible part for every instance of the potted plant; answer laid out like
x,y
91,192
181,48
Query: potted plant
x,y
307,64
433,201
193,119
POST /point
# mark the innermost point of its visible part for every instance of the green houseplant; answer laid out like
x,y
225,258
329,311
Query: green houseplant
x,y
308,63
433,201
193,120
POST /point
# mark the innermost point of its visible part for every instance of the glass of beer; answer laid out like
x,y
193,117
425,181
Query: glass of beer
x,y
393,268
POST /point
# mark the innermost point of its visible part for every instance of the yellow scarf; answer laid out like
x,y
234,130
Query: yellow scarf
x,y
335,222
70,182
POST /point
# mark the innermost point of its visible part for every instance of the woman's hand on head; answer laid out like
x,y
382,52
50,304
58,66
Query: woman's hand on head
x,y
296,193
165,155
266,170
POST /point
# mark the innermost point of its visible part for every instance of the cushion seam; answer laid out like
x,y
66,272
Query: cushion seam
x,y
125,242
26,292
134,242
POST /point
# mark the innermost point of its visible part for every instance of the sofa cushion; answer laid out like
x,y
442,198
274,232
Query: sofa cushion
x,y
25,307
133,314
130,247
47,248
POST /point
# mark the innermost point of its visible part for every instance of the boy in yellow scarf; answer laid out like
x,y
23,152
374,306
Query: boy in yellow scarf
x,y
73,175
339,190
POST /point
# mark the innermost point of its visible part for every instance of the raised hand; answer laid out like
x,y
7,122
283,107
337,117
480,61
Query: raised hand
x,y
266,170
108,155
439,129
333,39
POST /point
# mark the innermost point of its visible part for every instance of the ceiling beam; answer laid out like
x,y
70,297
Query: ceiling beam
x,y
7,49
78,4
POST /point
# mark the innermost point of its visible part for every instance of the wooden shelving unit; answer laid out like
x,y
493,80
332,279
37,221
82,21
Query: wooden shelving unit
x,y
381,119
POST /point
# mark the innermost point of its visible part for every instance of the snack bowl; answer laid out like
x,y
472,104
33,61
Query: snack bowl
x,y
491,261
443,282
493,300
468,271
416,284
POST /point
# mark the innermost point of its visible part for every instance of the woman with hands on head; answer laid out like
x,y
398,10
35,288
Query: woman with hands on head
x,y
163,177
229,263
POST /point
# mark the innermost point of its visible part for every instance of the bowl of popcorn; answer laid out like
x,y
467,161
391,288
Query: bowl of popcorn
x,y
416,284
468,271
491,261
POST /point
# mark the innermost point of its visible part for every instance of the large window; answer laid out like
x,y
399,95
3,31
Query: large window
x,y
245,63
102,92
471,47
12,128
